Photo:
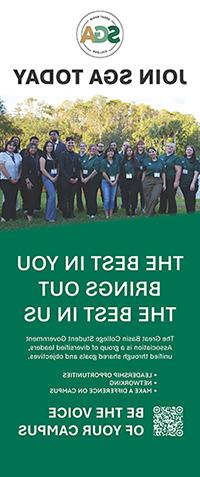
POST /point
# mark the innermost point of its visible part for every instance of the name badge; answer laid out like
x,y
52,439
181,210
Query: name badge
x,y
156,174
112,178
185,171
54,172
85,172
129,176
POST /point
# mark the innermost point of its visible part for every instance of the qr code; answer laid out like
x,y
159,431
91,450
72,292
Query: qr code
x,y
168,421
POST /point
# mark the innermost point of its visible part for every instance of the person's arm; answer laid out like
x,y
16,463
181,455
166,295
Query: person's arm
x,y
93,174
164,180
6,173
114,183
26,173
143,176
43,170
20,168
106,177
193,183
178,170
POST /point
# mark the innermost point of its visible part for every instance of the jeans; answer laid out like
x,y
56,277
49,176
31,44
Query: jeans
x,y
109,193
50,213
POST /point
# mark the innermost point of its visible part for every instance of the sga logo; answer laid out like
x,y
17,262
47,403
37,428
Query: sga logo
x,y
100,34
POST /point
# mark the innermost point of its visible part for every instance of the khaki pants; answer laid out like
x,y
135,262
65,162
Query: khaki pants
x,y
152,189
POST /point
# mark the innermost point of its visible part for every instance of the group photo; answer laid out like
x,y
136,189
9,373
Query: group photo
x,y
57,178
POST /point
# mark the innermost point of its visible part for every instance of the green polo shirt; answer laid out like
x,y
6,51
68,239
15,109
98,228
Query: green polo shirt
x,y
188,169
118,157
82,158
170,162
142,159
90,165
110,168
129,169
154,168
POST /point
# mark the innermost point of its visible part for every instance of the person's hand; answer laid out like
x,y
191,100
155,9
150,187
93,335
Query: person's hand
x,y
113,183
192,186
164,188
29,185
176,184
73,181
13,181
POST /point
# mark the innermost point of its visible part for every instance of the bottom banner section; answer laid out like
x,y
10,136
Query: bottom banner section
x,y
100,348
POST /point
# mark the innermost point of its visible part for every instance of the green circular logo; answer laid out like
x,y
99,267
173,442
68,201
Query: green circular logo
x,y
100,34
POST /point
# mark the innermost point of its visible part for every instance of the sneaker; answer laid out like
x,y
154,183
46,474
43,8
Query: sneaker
x,y
143,211
3,220
92,216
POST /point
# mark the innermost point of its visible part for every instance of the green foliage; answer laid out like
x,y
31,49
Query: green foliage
x,y
101,119
6,125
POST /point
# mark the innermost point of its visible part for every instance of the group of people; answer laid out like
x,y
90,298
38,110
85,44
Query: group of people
x,y
65,174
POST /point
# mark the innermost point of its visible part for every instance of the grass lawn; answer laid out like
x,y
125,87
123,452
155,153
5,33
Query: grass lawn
x,y
81,217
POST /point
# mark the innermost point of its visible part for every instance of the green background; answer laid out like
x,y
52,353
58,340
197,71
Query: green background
x,y
25,384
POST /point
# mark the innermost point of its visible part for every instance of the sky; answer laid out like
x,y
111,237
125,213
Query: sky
x,y
39,35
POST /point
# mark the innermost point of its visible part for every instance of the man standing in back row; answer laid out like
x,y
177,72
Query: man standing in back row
x,y
69,175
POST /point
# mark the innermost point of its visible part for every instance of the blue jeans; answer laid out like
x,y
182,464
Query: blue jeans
x,y
50,213
109,193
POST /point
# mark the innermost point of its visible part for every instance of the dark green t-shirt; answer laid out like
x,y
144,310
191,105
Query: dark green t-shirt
x,y
188,169
82,158
170,162
129,169
142,159
154,168
110,168
88,165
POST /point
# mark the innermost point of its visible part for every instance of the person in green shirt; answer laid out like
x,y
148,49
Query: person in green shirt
x,y
79,198
125,144
154,181
118,157
128,174
141,156
90,169
101,157
189,178
173,173
110,175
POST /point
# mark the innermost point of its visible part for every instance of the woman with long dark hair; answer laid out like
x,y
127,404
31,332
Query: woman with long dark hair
x,y
110,174
10,173
141,156
128,177
31,174
90,168
49,170
189,178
